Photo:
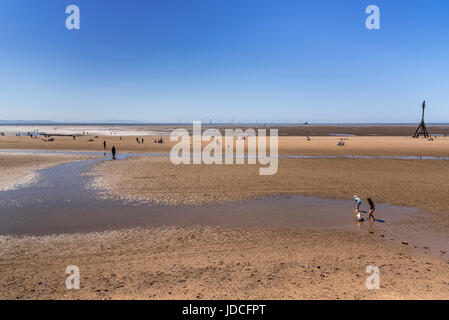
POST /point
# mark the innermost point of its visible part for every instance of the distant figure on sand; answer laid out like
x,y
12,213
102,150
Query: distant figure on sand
x,y
357,202
104,144
372,207
113,152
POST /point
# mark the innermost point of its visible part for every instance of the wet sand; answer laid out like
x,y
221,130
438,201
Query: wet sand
x,y
413,183
218,263
31,210
19,169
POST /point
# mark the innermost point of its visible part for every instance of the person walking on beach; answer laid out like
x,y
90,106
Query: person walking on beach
x,y
113,152
357,202
104,145
372,207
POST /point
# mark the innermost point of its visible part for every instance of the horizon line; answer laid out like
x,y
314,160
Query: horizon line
x,y
132,122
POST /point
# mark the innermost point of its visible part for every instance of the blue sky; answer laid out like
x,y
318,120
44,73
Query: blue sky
x,y
170,61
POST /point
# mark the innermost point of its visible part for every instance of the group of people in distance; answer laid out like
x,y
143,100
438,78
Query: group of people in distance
x,y
358,213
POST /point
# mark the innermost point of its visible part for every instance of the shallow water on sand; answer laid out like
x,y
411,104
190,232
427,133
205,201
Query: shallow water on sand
x,y
127,155
61,201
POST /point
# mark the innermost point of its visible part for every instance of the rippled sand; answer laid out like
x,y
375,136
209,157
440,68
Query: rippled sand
x,y
216,263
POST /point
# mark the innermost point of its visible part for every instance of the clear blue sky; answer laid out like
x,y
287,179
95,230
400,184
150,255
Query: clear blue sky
x,y
165,61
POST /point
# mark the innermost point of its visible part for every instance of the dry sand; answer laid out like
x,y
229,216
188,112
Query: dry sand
x,y
19,169
400,146
214,263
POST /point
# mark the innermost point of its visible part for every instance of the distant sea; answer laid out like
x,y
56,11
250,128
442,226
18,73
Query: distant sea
x,y
129,123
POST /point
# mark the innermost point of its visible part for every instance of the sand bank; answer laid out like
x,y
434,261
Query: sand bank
x,y
415,183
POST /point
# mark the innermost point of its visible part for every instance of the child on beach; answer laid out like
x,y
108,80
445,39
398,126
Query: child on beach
x,y
372,207
357,202
359,216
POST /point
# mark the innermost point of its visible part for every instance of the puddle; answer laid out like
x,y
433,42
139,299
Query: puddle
x,y
127,155
61,202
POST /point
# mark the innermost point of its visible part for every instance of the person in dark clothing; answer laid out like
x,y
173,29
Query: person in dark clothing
x,y
104,145
113,152
372,207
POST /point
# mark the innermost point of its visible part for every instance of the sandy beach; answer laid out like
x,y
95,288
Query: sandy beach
x,y
225,150
227,262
